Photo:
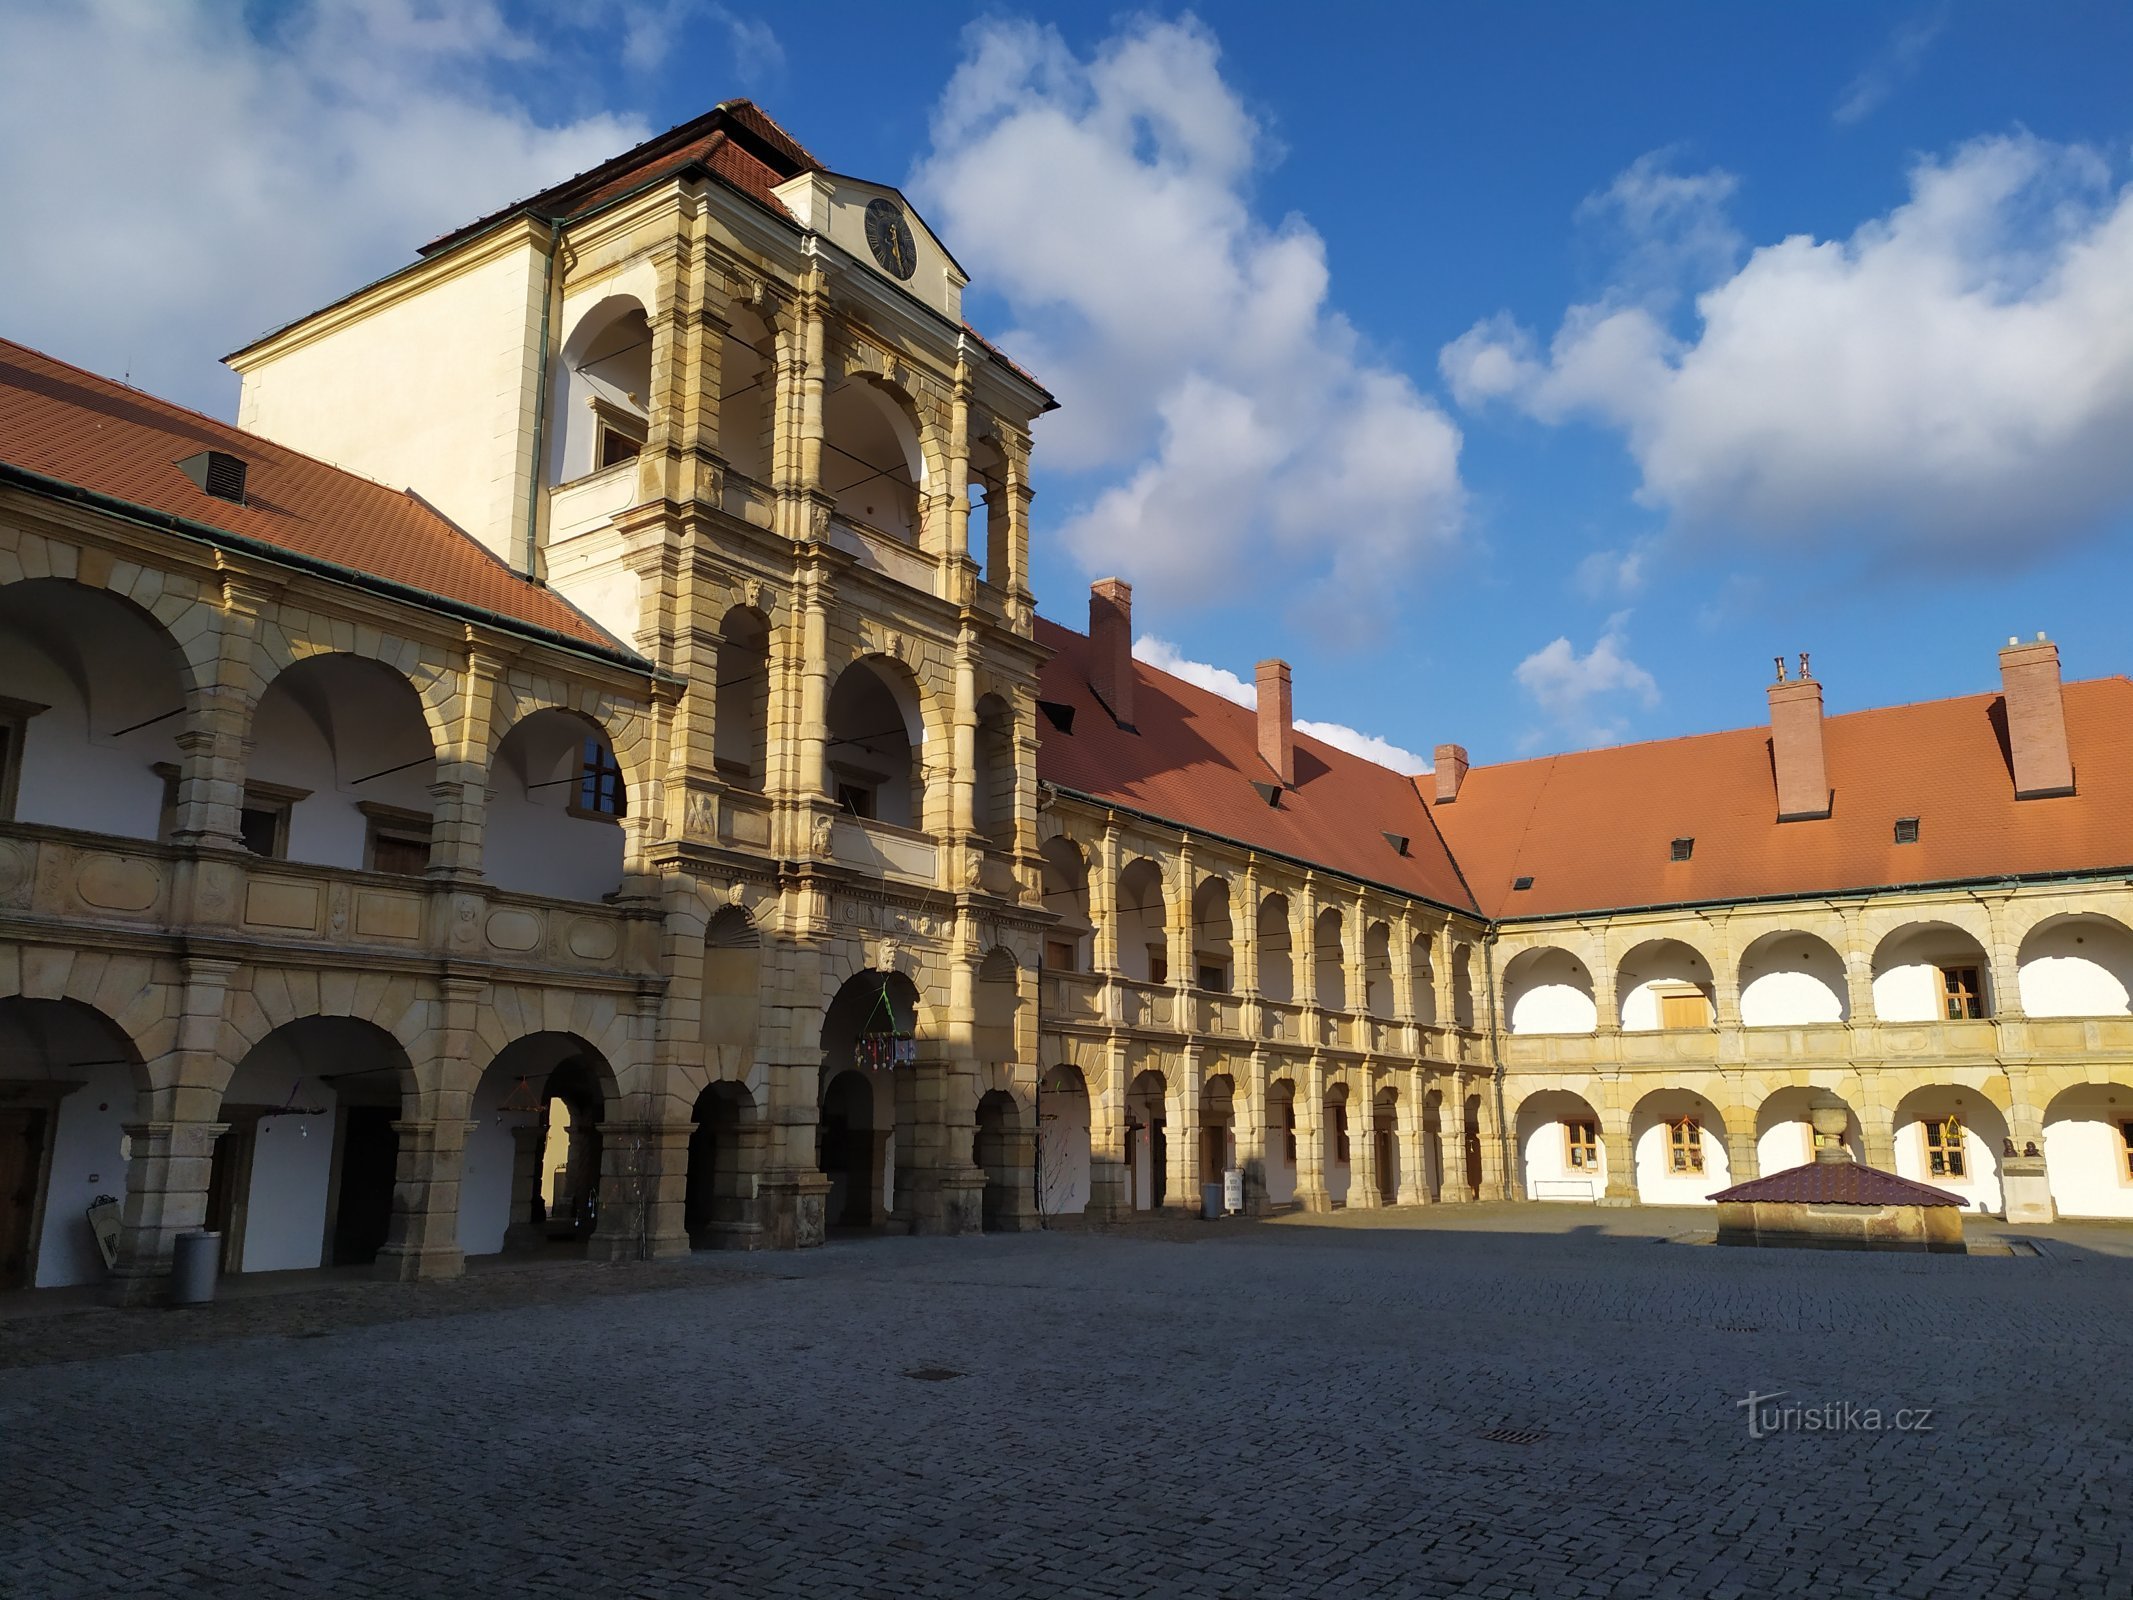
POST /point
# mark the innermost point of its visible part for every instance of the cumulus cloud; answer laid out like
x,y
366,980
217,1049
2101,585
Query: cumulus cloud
x,y
1250,436
1955,376
1161,654
185,177
1584,696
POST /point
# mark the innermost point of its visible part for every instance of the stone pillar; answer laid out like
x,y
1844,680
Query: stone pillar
x,y
1255,1140
1108,1199
1877,1135
1413,1136
1312,1131
2025,1187
2005,960
527,1143
459,797
1495,1184
1858,976
939,1190
1621,1157
422,1240
1743,1162
630,1155
1451,1140
1363,1149
1181,1136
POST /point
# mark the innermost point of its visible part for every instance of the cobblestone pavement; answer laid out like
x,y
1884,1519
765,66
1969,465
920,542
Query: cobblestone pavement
x,y
1268,1410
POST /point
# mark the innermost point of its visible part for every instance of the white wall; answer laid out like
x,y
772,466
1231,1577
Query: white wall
x,y
1544,1150
1063,1149
2077,969
2085,1152
1651,968
86,1162
532,843
1792,980
336,727
485,1179
1907,981
1979,1187
1549,992
432,391
1658,1186
292,1158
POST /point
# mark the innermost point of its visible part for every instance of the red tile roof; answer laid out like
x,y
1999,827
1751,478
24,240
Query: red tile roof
x,y
1593,830
1837,1183
62,423
1194,757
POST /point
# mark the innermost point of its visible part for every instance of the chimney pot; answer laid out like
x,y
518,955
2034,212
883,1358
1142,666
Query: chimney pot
x,y
1451,766
1111,647
1796,749
1277,728
2036,719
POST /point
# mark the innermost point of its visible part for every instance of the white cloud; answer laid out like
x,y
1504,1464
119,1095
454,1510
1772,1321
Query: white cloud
x,y
1191,344
184,177
1161,654
1606,574
1898,61
1955,376
654,30
1585,695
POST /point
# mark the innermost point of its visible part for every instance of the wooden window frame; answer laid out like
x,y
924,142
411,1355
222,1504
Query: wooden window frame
x,y
1948,1162
15,724
1684,1147
396,823
1964,988
611,421
1071,948
278,798
2125,1152
1158,963
1220,970
1581,1154
590,756
1678,992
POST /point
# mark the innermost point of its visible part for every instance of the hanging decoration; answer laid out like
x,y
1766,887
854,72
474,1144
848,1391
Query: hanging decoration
x,y
520,1102
883,1042
289,1108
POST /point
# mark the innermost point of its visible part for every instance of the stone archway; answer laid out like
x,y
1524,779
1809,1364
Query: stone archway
x,y
1147,1146
1063,1142
1004,1150
725,1164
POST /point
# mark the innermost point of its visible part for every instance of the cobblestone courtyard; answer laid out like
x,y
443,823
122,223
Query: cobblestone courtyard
x,y
1251,1409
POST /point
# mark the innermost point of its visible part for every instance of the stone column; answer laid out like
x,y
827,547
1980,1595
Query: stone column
x,y
1108,1199
422,1241
1451,1140
2005,959
1363,1148
2025,1187
1621,1156
1181,1136
527,1144
1413,1136
460,793
1312,1131
1255,1140
939,1190
1743,1162
1858,974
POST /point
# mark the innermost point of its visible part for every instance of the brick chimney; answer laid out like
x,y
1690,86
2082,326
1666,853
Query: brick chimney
x,y
2036,719
1796,746
1277,728
1111,647
1451,767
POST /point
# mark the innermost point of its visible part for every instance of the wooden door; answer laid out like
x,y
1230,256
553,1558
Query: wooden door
x,y
21,1160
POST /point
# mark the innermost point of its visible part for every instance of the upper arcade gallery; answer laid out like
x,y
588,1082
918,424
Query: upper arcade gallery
x,y
582,762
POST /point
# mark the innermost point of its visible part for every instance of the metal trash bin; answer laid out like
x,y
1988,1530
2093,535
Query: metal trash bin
x,y
195,1265
1210,1202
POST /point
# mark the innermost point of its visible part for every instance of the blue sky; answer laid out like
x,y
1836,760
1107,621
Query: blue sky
x,y
1526,375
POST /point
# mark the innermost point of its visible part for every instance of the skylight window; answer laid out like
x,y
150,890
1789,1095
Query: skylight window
x,y
1907,830
1521,883
1058,715
1398,841
1683,849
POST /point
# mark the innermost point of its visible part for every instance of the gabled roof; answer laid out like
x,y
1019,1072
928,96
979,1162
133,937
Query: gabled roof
x,y
1593,829
88,433
1836,1183
1192,760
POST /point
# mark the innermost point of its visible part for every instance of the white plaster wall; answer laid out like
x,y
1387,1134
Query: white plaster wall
x,y
432,392
532,842
1979,1187
2085,1152
1794,984
485,1179
589,569
78,769
1784,1145
2078,969
337,729
1550,993
1548,1175
1908,993
86,1162
837,207
1063,1151
292,1159
1640,1007
1656,1186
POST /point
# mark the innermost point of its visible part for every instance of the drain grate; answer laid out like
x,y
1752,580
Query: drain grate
x,y
1513,1435
932,1374
1737,1327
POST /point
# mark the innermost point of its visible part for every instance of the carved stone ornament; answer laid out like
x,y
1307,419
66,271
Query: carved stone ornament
x,y
700,820
757,593
820,843
818,519
736,891
974,871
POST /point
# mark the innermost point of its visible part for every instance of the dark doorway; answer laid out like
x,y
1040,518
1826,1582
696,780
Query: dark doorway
x,y
21,1160
847,1151
370,1159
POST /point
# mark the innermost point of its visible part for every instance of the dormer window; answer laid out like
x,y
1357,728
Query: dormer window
x,y
218,473
1521,885
1683,849
1907,830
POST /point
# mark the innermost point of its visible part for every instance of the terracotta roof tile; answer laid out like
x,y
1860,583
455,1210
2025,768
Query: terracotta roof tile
x,y
1837,1183
1195,756
1592,830
63,423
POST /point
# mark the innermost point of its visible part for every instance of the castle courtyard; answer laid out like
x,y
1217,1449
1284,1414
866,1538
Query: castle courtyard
x,y
1502,1401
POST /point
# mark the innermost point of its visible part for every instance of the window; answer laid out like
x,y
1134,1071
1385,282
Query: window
x,y
1340,1134
1683,849
1962,999
1944,1148
1521,885
262,820
1684,1010
396,840
600,792
1059,955
1288,1132
1215,978
1581,1146
14,730
1158,965
1907,830
1684,1145
618,436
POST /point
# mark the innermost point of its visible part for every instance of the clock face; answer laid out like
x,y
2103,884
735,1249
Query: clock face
x,y
889,237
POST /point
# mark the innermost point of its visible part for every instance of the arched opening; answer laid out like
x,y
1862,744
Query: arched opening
x,y
1143,923
1422,968
70,1080
1277,966
747,381
998,1008
1560,1154
1951,1137
871,463
741,700
1213,938
1280,1142
557,797
1470,1140
1062,1142
1679,1141
1336,1152
2088,1150
992,787
1218,1127
1440,1139
305,1174
1147,1151
1003,1150
535,1155
725,1162
1548,990
988,512
601,405
850,1156
92,700
1463,986
1931,972
875,737
2077,966
1790,979
1784,1129
870,1033
1664,984
1329,963
341,768
1377,969
1385,1144
730,1000
1066,896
